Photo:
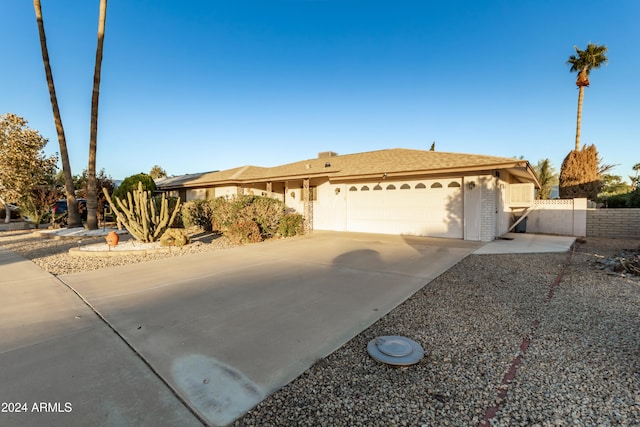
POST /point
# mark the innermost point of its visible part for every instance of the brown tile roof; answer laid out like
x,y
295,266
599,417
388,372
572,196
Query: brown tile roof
x,y
396,161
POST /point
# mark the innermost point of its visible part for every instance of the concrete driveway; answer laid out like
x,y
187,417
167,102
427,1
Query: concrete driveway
x,y
223,330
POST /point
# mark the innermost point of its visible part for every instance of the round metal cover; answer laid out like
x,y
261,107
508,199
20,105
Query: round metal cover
x,y
395,350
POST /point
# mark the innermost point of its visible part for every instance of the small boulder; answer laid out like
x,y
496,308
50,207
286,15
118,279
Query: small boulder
x,y
174,237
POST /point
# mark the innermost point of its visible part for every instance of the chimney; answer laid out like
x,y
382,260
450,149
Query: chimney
x,y
326,154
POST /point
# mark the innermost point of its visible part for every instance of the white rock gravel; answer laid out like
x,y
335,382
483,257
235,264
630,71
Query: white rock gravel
x,y
582,367
52,254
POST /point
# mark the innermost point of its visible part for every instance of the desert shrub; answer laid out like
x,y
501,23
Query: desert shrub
x,y
174,237
234,215
264,211
291,225
225,211
244,231
198,213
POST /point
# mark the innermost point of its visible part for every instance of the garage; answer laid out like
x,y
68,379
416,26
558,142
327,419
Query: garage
x,y
424,208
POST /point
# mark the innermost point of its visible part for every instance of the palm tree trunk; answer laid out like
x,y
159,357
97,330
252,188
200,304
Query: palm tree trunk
x,y
73,218
92,191
579,120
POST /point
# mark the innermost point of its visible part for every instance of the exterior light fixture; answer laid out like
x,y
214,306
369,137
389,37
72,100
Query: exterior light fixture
x,y
471,185
337,191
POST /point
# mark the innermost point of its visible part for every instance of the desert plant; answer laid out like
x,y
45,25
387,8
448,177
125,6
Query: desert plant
x,y
138,214
173,202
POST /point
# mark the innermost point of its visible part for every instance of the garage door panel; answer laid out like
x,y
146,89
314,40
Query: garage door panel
x,y
417,211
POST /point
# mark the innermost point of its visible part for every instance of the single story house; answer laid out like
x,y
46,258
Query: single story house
x,y
393,191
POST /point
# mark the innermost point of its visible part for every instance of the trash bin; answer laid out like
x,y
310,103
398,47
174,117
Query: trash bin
x,y
522,225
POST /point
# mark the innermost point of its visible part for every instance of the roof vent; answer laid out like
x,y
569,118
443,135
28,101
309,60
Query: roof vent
x,y
327,165
326,154
395,350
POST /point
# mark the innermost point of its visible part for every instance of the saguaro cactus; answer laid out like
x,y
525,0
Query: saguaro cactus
x,y
138,214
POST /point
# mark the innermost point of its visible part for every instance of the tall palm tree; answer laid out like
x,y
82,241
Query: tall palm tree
x,y
92,192
582,63
73,219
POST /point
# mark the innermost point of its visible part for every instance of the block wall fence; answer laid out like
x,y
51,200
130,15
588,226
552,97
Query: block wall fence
x,y
572,217
613,223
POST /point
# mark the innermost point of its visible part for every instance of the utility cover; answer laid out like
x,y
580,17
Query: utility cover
x,y
395,350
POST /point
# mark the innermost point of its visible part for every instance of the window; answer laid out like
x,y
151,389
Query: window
x,y
353,188
364,188
377,187
420,185
405,187
436,185
391,187
454,185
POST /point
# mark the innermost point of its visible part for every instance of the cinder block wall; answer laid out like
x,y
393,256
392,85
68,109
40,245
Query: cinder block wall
x,y
613,223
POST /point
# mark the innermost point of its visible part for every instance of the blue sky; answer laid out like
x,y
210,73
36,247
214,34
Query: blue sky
x,y
200,85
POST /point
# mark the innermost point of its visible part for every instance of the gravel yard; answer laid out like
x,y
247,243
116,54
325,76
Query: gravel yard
x,y
580,368
568,331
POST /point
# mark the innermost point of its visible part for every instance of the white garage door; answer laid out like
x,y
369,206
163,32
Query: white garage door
x,y
422,208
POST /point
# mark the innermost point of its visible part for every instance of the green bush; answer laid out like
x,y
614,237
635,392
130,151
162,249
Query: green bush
x,y
634,199
616,201
198,213
130,184
291,225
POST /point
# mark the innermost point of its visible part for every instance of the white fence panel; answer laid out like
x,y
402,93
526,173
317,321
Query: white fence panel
x,y
567,217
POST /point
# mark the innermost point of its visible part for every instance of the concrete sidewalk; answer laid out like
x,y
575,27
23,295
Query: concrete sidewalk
x,y
522,243
197,338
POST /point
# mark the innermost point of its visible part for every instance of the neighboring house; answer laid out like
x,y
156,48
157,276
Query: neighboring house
x,y
395,191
